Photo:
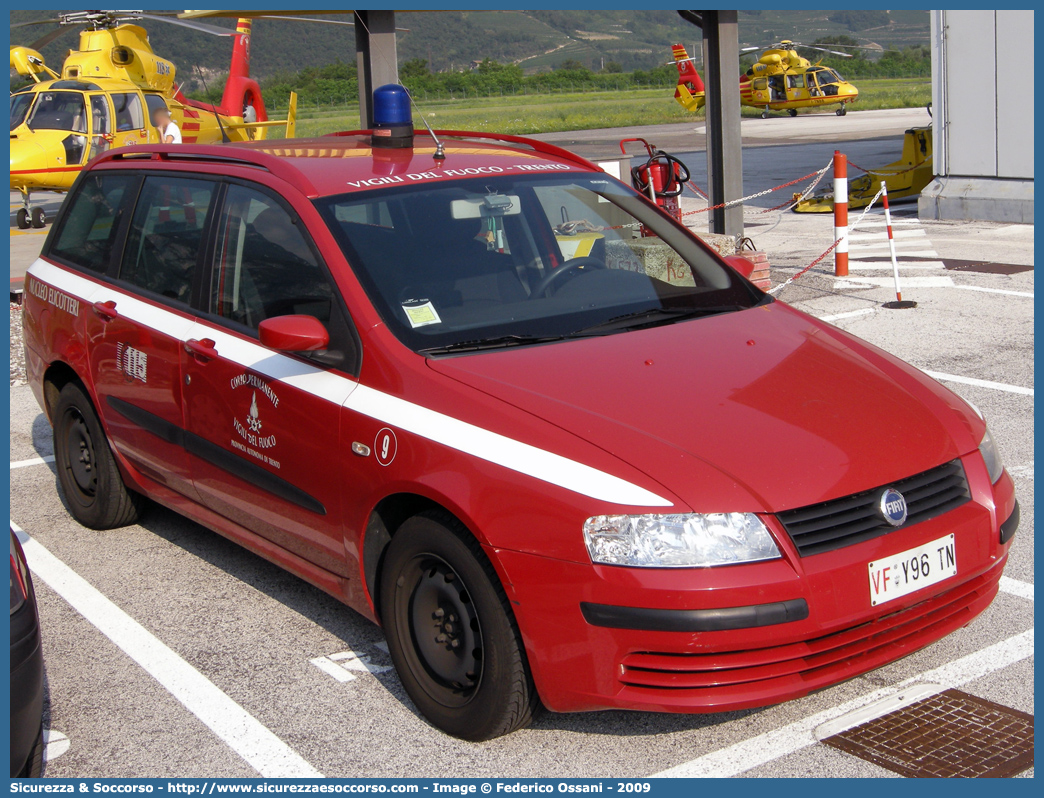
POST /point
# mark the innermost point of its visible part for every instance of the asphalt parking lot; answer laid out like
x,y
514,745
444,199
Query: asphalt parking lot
x,y
171,652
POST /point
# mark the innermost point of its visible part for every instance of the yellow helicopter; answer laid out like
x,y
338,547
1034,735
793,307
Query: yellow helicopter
x,y
107,95
781,80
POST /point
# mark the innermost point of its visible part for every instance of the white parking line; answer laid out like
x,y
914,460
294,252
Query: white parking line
x,y
871,251
997,386
886,265
916,233
994,290
1017,588
241,731
889,282
32,461
755,751
1022,471
848,315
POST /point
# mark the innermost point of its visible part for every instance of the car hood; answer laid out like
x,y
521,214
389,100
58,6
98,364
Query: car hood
x,y
764,409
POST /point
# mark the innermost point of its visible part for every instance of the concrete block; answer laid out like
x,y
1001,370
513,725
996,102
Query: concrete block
x,y
982,198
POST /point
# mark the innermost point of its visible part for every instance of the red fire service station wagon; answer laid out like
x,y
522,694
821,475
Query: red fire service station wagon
x,y
498,402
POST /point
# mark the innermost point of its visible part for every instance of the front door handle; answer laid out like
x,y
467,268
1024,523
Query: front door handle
x,y
201,350
106,310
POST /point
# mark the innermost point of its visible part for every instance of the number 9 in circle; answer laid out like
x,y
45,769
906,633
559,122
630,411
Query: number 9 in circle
x,y
385,446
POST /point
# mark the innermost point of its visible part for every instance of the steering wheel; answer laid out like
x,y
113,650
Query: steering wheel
x,y
565,268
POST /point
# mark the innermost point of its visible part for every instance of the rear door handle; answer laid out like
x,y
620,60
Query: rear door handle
x,y
106,310
201,350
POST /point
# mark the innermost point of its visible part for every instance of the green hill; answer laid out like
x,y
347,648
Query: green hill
x,y
535,40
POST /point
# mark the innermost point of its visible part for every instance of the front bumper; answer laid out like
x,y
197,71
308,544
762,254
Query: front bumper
x,y
692,652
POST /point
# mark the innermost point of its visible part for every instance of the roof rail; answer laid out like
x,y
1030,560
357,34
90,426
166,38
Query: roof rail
x,y
538,146
210,153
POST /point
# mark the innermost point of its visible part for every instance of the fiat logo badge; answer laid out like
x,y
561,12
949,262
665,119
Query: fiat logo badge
x,y
893,507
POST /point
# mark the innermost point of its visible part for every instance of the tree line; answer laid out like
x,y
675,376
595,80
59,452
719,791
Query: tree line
x,y
337,84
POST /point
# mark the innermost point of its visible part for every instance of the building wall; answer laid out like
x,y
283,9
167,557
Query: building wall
x,y
982,105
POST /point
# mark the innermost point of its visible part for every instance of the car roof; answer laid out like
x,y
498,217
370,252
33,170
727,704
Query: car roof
x,y
346,162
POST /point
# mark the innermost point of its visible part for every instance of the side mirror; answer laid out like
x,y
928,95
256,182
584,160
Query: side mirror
x,y
294,334
741,264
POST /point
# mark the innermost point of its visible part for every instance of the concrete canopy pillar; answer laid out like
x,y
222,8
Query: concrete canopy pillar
x,y
375,57
724,144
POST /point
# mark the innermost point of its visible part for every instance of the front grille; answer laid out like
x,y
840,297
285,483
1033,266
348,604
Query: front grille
x,y
853,519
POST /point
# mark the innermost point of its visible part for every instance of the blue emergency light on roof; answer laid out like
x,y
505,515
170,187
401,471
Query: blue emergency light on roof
x,y
392,120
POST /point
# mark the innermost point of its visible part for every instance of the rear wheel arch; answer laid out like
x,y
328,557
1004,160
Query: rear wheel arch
x,y
58,375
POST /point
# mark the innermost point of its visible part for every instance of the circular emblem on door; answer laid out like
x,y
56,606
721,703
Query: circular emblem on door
x,y
893,507
385,445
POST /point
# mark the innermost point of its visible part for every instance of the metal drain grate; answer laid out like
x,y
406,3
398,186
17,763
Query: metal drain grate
x,y
951,734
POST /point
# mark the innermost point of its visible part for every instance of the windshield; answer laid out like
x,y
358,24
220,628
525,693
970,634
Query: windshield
x,y
59,110
19,107
828,76
486,263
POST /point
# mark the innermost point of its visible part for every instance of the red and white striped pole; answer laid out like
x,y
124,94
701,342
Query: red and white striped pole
x,y
899,303
841,213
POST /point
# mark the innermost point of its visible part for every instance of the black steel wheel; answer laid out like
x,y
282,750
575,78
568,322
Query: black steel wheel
x,y
87,471
22,217
38,217
451,633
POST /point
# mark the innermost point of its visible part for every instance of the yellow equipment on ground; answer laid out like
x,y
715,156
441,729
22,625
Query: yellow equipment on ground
x,y
906,177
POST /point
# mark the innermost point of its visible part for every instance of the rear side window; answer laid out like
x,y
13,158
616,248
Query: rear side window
x,y
89,228
166,235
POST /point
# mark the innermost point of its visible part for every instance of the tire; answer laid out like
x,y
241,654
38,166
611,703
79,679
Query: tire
x,y
792,111
38,218
33,767
22,217
91,481
451,633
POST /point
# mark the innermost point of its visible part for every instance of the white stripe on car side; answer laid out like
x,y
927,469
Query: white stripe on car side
x,y
385,408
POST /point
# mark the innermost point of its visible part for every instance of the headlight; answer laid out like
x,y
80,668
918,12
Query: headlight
x,y
678,541
990,453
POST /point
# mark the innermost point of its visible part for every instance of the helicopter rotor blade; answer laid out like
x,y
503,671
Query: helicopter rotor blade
x,y
308,19
202,27
46,39
54,21
825,50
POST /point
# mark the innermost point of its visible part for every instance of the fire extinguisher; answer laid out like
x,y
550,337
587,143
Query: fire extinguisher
x,y
660,178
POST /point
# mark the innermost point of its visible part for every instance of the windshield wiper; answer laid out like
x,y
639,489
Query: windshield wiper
x,y
651,317
490,343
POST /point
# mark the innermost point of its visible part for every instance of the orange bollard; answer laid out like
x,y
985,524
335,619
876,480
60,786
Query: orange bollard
x,y
841,213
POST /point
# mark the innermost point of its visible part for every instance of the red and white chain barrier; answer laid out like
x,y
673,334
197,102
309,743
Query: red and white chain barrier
x,y
818,175
831,248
